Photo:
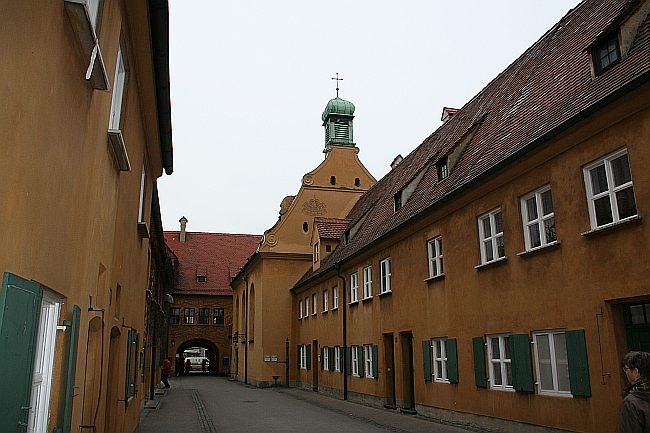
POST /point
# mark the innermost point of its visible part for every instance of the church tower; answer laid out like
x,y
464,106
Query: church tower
x,y
337,120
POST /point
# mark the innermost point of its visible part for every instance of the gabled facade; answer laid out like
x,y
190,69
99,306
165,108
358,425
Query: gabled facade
x,y
86,131
263,306
493,277
201,314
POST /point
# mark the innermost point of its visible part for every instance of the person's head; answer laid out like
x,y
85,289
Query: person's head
x,y
636,365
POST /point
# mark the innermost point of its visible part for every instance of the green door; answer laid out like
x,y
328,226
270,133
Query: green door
x,y
637,326
20,302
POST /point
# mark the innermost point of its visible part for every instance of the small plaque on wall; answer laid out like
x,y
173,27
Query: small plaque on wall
x,y
267,358
274,358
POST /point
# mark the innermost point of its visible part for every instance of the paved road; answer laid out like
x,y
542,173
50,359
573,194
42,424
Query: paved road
x,y
204,404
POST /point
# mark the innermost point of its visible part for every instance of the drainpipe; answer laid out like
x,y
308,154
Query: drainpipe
x,y
337,267
246,332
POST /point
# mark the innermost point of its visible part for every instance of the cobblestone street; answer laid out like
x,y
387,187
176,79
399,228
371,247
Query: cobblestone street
x,y
202,404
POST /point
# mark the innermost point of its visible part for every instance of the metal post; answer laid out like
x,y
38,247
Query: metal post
x,y
153,356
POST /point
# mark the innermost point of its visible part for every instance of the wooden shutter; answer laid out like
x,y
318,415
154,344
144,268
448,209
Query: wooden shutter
x,y
20,307
480,373
348,360
308,348
522,368
375,361
322,357
136,364
298,357
451,348
426,360
360,363
576,347
330,367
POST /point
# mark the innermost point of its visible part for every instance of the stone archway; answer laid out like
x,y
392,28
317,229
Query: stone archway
x,y
213,353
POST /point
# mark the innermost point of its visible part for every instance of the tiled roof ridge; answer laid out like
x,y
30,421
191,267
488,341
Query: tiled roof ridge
x,y
212,233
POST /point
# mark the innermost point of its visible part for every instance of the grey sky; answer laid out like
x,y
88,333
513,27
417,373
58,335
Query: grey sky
x,y
250,80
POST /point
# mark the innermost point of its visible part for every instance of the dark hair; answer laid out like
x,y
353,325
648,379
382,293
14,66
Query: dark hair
x,y
639,360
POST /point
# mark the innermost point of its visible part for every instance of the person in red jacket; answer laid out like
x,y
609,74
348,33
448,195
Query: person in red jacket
x,y
166,371
635,410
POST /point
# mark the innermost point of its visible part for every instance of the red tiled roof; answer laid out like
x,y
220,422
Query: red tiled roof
x,y
331,228
547,89
218,256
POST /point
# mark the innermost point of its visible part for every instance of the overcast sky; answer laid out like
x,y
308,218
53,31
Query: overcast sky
x,y
250,79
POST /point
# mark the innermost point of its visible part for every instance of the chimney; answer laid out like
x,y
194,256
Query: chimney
x,y
448,113
183,222
396,161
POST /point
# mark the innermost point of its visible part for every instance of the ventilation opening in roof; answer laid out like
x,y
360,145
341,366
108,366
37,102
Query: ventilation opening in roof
x,y
606,53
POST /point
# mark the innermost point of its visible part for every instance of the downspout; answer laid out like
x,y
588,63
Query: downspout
x,y
246,332
337,267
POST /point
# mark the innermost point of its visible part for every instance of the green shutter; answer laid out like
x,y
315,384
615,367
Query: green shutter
x,y
375,361
576,347
451,349
137,365
360,363
348,360
127,382
20,307
322,357
480,373
298,357
71,369
308,346
522,367
330,367
426,360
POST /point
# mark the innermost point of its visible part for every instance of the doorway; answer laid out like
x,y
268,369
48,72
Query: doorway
x,y
637,326
389,362
112,414
314,367
408,391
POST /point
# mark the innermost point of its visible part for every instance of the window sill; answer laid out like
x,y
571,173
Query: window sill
x,y
324,311
496,262
435,278
118,147
386,293
353,303
335,308
636,219
444,382
143,231
368,299
313,315
533,251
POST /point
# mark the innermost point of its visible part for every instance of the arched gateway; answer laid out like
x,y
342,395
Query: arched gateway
x,y
212,353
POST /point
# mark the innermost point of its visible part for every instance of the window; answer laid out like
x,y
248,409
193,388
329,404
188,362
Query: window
x,y
204,316
499,362
606,53
538,218
367,357
314,300
303,357
398,201
436,265
305,227
357,181
384,266
326,358
300,309
443,170
93,11
335,297
333,180
174,316
316,255
218,318
337,358
367,282
118,92
490,228
189,316
306,307
552,363
355,361
328,248
354,287
201,278
325,300
439,346
610,194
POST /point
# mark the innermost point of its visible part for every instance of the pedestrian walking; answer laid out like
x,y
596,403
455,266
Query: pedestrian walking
x,y
166,371
178,368
635,410
188,366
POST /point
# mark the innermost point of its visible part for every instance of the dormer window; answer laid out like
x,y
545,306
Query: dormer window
x,y
316,252
606,53
443,168
398,201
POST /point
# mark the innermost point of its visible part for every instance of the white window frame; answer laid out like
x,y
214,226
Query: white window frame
x,y
367,360
436,262
314,304
335,297
316,252
611,189
354,287
493,237
355,360
386,276
92,6
306,307
119,80
554,363
501,363
325,300
367,282
300,309
303,357
326,358
439,356
337,358
539,221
